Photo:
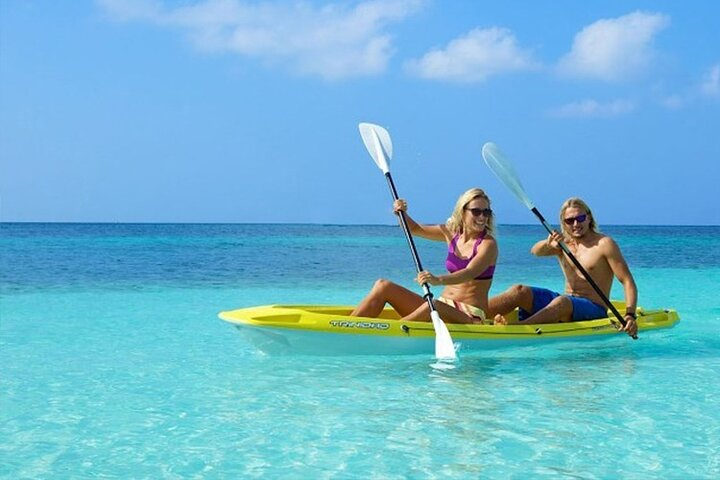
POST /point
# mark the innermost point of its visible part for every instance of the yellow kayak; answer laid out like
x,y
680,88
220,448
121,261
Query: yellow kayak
x,y
330,330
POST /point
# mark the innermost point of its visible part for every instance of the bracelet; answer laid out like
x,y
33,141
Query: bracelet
x,y
631,314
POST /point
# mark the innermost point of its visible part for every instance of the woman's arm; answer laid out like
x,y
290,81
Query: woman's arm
x,y
431,232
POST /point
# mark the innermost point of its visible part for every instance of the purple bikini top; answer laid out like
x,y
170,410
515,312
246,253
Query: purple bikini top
x,y
453,263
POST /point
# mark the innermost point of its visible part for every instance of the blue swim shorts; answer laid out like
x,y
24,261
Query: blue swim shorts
x,y
583,308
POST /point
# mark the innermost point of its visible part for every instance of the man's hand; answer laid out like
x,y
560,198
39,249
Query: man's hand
x,y
631,327
554,239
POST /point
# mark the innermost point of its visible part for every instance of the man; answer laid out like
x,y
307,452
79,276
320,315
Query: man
x,y
597,253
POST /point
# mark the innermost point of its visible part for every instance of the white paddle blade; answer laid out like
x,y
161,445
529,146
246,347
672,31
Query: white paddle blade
x,y
378,144
503,169
444,348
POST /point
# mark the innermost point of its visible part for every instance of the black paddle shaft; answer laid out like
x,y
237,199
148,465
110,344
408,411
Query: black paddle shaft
x,y
408,236
587,276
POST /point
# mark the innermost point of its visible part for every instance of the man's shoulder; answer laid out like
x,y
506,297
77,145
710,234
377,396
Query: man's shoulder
x,y
597,240
603,237
606,241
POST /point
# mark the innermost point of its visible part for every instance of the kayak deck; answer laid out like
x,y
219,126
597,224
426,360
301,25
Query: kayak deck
x,y
330,330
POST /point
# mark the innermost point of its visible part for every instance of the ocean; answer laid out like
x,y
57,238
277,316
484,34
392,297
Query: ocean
x,y
115,365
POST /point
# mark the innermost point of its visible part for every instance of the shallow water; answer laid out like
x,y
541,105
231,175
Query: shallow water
x,y
114,363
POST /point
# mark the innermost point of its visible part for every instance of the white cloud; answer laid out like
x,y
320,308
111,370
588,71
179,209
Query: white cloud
x,y
474,57
673,102
593,108
711,82
708,86
614,49
330,41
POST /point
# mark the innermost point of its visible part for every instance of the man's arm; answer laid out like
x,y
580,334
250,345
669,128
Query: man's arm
x,y
547,247
622,272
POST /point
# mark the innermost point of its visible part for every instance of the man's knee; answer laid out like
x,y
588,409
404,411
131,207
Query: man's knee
x,y
520,292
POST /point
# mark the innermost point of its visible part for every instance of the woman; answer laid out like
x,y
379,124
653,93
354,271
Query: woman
x,y
472,254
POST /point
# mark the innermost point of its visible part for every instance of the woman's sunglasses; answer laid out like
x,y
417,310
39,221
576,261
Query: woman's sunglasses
x,y
476,212
579,219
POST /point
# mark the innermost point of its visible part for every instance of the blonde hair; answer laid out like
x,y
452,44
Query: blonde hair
x,y
577,203
455,222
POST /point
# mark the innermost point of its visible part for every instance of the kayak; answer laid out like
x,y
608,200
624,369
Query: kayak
x,y
330,330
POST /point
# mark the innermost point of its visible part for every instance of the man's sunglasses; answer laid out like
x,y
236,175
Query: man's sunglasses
x,y
476,212
579,219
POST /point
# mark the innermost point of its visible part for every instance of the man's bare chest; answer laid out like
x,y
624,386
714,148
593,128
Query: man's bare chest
x,y
591,259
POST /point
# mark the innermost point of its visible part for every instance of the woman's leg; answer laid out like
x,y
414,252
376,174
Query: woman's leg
x,y
447,313
384,291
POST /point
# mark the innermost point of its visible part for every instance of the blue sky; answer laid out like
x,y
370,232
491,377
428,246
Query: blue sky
x,y
236,111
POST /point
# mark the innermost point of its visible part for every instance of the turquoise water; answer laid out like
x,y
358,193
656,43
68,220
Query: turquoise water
x,y
114,364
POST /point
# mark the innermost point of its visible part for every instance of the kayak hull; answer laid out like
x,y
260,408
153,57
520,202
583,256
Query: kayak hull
x,y
329,330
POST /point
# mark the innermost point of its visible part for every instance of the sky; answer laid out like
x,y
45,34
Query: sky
x,y
247,111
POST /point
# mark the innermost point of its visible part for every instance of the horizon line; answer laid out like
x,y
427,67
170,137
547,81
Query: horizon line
x,y
33,222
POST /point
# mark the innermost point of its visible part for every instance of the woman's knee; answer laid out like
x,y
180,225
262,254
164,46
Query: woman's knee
x,y
382,285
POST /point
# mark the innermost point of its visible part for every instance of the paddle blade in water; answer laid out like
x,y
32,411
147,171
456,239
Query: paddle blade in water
x,y
444,348
378,144
503,169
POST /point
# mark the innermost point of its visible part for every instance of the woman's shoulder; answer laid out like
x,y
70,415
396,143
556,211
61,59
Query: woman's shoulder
x,y
487,237
489,241
447,233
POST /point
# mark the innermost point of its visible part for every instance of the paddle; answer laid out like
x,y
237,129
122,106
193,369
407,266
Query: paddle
x,y
503,170
378,144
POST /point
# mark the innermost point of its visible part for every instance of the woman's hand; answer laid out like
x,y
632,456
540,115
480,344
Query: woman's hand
x,y
429,278
399,205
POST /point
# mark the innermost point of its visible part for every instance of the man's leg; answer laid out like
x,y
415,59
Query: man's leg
x,y
559,309
585,309
512,298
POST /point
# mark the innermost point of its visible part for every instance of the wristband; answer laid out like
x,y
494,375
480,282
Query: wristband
x,y
631,314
